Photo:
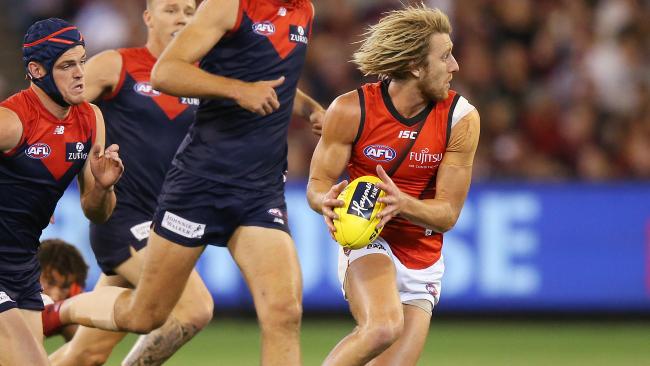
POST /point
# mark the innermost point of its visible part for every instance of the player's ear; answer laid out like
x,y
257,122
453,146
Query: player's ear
x,y
415,71
146,17
36,70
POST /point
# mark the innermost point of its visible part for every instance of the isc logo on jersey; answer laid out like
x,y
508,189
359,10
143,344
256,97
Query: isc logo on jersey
x,y
265,28
379,152
38,151
144,88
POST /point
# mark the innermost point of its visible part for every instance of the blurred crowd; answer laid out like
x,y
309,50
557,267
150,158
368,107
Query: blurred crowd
x,y
562,86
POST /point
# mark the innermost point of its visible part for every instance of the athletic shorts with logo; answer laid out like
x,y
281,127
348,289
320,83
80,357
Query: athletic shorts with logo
x,y
194,211
112,241
21,288
412,284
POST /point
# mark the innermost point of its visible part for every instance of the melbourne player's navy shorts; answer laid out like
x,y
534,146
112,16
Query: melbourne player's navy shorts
x,y
20,288
194,211
112,241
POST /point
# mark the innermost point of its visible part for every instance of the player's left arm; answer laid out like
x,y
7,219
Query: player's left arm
x,y
306,107
102,170
452,182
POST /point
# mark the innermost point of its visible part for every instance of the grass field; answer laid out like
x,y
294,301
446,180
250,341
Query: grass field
x,y
451,342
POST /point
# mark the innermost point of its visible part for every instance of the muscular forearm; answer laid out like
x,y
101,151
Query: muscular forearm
x,y
434,214
98,204
194,83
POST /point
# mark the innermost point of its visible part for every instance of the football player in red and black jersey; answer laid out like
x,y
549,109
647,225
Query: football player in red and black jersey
x,y
419,136
48,136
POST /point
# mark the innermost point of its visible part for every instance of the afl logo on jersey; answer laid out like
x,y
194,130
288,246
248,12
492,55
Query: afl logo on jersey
x,y
145,88
38,151
265,28
379,152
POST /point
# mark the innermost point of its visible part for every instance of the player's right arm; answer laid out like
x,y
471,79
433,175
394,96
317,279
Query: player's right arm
x,y
176,72
332,155
102,74
10,129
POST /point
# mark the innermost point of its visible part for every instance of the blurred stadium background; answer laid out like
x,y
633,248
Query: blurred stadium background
x,y
550,260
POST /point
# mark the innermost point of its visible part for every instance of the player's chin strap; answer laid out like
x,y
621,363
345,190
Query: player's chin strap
x,y
47,84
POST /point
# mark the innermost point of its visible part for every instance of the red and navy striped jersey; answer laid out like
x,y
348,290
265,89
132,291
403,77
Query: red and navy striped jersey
x,y
410,150
227,143
148,126
34,174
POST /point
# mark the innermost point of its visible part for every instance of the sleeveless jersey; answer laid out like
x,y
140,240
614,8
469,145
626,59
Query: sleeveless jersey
x,y
34,175
148,126
410,150
228,144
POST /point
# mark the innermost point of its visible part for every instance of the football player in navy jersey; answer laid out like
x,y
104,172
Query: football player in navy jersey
x,y
48,135
226,183
148,126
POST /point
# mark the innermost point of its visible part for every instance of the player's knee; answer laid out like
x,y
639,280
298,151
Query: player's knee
x,y
145,323
382,333
281,314
197,312
202,314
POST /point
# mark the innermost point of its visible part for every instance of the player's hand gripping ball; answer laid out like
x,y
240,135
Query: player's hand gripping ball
x,y
356,226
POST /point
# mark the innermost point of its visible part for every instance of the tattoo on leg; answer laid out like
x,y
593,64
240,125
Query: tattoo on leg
x,y
156,347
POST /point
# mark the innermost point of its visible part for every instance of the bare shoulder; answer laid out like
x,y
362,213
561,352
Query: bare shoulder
x,y
224,12
7,114
98,112
106,63
10,129
102,73
343,117
465,134
109,57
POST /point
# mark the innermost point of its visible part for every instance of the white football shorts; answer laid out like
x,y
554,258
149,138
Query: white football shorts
x,y
412,284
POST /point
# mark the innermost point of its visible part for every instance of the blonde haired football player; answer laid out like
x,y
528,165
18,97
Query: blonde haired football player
x,y
419,137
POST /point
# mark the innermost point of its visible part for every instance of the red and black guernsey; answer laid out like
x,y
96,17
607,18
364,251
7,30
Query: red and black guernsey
x,y
148,126
34,175
410,150
227,143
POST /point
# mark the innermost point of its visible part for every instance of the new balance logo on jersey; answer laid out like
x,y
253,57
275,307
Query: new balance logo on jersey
x,y
297,34
405,134
38,151
76,151
59,130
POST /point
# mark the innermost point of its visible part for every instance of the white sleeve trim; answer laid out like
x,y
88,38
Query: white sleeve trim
x,y
461,110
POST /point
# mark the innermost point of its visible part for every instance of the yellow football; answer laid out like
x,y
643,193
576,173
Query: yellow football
x,y
357,221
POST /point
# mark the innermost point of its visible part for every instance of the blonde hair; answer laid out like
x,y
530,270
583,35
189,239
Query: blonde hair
x,y
400,41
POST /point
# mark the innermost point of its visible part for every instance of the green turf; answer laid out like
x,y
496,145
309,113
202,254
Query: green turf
x,y
457,343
